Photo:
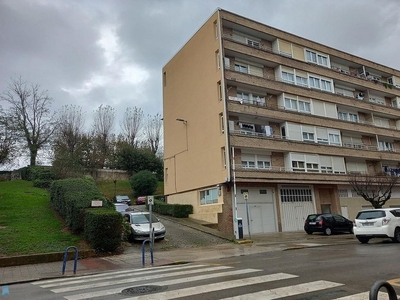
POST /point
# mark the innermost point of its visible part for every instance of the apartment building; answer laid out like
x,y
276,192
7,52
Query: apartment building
x,y
266,126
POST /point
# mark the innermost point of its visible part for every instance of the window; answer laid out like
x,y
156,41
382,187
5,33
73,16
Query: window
x,y
298,166
317,58
241,68
208,197
386,146
296,195
222,123
248,164
322,84
253,43
314,82
218,60
216,29
166,175
353,118
304,107
302,81
261,164
311,167
219,91
223,157
334,139
287,77
291,103
165,78
243,96
326,169
308,137
343,193
326,85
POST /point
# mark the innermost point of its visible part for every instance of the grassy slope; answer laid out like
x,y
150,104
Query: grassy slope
x,y
28,223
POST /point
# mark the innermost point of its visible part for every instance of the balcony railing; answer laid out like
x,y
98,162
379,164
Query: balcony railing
x,y
239,167
279,137
337,69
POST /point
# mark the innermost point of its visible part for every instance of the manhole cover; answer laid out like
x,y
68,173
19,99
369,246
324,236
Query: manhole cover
x,y
144,289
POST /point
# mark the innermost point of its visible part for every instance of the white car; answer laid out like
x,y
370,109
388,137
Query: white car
x,y
140,224
377,223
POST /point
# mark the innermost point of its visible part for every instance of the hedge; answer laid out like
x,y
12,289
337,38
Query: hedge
x,y
103,229
174,210
71,196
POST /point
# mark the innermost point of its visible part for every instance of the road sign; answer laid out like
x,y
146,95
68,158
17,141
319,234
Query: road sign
x,y
150,200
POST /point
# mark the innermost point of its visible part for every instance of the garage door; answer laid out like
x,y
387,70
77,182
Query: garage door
x,y
296,204
261,210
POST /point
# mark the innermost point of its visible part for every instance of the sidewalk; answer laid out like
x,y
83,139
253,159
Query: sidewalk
x,y
279,241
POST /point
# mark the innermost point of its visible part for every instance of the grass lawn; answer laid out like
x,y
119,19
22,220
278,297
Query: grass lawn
x,y
122,187
28,223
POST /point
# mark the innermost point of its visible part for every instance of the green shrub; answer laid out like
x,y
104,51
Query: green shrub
x,y
71,196
175,210
40,173
143,183
44,184
103,229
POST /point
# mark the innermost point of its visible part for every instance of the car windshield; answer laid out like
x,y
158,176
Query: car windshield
x,y
371,214
143,219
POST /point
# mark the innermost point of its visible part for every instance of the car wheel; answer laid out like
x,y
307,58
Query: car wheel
x,y
396,237
363,240
328,231
309,232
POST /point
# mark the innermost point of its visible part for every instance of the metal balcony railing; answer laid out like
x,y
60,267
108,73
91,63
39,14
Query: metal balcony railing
x,y
279,137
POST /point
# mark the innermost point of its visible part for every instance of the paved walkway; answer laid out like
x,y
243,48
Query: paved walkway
x,y
132,258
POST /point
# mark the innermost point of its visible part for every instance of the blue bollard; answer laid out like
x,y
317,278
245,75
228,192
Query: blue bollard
x,y
143,252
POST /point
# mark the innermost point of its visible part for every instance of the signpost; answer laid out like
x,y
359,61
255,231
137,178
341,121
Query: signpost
x,y
150,202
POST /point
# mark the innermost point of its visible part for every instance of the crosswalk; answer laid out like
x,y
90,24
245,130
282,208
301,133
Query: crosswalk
x,y
188,281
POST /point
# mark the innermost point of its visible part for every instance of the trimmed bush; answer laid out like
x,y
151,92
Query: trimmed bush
x,y
71,196
103,229
174,210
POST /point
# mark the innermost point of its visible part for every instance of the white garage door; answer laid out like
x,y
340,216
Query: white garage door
x,y
261,210
296,204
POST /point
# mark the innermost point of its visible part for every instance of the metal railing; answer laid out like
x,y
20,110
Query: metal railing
x,y
279,137
66,256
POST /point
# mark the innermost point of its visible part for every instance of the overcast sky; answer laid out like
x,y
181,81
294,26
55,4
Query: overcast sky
x,y
95,52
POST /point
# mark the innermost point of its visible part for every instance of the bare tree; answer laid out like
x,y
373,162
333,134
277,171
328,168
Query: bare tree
x,y
131,124
8,139
153,132
71,127
376,189
30,115
103,124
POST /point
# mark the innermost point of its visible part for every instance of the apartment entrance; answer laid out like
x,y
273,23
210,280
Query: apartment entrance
x,y
262,212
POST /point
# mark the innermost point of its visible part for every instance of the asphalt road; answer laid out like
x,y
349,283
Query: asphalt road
x,y
344,272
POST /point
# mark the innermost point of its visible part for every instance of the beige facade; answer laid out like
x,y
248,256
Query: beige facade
x,y
254,112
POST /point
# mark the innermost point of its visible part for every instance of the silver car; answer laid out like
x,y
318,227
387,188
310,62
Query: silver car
x,y
140,224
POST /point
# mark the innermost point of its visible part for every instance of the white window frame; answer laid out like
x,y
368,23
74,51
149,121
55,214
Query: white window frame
x,y
334,139
301,81
298,166
285,77
292,102
312,167
308,136
208,196
304,106
317,58
385,146
241,67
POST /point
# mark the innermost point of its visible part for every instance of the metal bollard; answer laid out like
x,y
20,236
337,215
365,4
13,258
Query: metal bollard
x,y
373,293
65,259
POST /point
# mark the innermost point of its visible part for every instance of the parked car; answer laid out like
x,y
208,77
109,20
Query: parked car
x,y
140,224
327,223
377,223
123,199
121,207
141,200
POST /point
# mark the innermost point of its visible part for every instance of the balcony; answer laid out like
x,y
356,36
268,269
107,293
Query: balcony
x,y
273,142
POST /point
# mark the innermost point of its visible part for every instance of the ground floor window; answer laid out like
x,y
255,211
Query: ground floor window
x,y
296,195
208,196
